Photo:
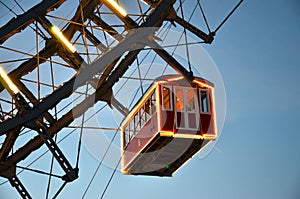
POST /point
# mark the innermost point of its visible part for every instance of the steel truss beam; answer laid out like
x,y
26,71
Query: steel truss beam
x,y
156,47
64,91
88,6
207,38
10,174
16,25
50,50
81,78
15,182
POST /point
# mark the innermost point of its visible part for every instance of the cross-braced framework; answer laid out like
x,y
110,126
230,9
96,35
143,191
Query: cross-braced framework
x,y
52,48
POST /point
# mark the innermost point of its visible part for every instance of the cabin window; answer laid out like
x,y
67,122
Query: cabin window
x,y
136,123
141,117
126,134
191,100
131,129
146,110
153,103
166,98
144,116
148,106
204,101
179,100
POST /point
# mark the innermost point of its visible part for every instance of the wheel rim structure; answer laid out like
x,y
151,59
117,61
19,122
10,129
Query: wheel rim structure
x,y
49,74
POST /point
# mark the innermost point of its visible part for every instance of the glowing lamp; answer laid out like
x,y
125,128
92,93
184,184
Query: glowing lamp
x,y
8,81
114,6
56,31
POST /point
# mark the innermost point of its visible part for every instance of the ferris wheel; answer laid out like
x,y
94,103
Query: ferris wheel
x,y
61,59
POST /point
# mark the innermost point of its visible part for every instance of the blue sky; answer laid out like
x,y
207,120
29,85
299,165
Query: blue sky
x,y
257,155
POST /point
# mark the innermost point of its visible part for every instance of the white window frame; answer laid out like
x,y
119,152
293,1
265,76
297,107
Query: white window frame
x,y
208,101
185,110
162,98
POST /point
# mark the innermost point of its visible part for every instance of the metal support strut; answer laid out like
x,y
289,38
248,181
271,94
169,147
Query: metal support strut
x,y
39,126
15,182
10,173
71,173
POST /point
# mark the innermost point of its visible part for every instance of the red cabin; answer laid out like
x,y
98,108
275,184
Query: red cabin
x,y
169,124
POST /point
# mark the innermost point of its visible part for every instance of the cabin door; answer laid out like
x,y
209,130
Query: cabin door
x,y
186,106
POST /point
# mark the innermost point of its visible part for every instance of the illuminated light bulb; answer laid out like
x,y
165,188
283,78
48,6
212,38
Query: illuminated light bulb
x,y
116,7
56,31
8,81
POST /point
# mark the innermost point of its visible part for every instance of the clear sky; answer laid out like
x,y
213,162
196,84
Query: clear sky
x,y
257,155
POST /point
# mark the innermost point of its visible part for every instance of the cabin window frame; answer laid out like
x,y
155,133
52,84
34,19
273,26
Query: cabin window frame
x,y
207,103
185,111
170,97
126,134
194,91
153,102
176,88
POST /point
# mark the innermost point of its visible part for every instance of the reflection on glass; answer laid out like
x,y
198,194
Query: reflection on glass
x,y
179,100
190,100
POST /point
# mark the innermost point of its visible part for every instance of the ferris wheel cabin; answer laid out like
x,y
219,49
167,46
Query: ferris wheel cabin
x,y
169,124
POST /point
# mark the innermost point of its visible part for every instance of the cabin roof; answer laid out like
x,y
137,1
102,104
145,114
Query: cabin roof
x,y
178,78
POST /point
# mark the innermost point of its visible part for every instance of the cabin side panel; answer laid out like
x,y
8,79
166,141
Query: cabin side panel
x,y
141,139
207,112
